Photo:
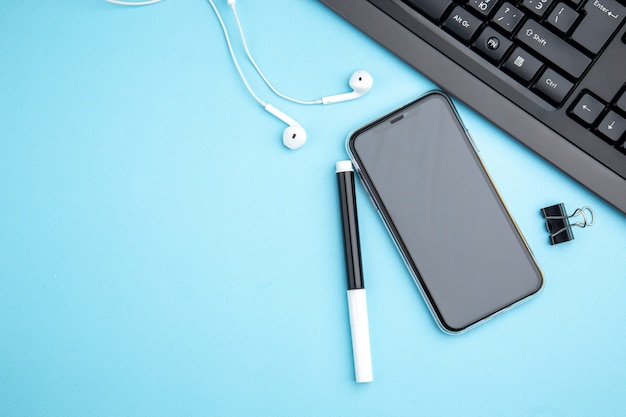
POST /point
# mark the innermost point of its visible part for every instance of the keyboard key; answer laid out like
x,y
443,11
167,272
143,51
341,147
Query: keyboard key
x,y
462,24
508,17
562,17
621,102
434,9
483,7
537,7
553,85
522,64
587,109
601,20
492,45
612,126
553,48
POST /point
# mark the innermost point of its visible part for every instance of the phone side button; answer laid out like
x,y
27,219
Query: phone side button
x,y
369,193
367,188
469,135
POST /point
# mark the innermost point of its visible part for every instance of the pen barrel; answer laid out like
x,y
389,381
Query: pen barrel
x,y
359,328
352,245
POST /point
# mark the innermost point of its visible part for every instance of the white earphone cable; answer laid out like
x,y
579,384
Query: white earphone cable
x,y
231,51
294,136
256,67
224,30
232,54
134,3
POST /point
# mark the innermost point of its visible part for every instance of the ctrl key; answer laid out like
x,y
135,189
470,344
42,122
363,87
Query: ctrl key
x,y
553,86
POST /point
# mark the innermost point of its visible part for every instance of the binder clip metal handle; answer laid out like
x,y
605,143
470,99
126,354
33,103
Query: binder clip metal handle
x,y
558,222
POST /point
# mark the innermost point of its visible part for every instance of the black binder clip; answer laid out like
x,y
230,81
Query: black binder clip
x,y
558,223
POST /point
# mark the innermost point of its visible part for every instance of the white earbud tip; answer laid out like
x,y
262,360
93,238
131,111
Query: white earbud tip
x,y
294,136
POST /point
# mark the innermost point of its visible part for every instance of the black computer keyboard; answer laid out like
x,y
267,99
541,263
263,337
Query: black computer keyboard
x,y
561,62
545,45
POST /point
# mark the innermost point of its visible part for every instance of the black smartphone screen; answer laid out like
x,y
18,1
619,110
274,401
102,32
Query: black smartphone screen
x,y
444,213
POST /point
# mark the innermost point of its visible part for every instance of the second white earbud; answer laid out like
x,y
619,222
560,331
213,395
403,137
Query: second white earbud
x,y
294,136
360,82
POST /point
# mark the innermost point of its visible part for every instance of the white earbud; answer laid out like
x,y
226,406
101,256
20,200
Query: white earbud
x,y
360,82
294,136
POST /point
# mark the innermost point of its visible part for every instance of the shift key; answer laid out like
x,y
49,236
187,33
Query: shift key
x,y
553,48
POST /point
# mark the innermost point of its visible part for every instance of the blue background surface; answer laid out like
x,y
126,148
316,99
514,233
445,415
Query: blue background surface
x,y
162,253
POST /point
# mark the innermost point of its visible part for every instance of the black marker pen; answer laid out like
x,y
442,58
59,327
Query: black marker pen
x,y
357,302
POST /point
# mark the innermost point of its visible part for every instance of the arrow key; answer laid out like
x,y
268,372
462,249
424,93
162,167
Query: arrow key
x,y
612,126
587,109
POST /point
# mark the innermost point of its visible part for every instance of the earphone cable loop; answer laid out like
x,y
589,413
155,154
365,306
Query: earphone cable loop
x,y
258,69
232,55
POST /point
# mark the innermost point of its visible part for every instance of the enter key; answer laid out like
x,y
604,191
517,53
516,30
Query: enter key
x,y
602,18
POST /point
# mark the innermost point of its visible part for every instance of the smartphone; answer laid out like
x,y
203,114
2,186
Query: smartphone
x,y
463,249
